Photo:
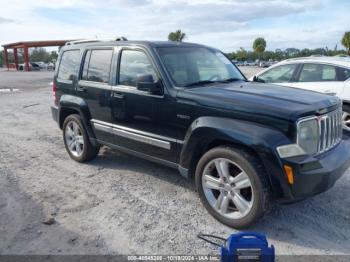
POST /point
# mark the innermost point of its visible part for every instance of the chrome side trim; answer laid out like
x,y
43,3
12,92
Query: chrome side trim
x,y
133,136
136,131
141,155
104,86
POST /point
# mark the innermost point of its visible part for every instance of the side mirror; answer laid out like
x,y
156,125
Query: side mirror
x,y
256,79
146,83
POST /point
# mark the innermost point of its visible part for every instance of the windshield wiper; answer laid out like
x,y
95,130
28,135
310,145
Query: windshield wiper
x,y
204,82
228,80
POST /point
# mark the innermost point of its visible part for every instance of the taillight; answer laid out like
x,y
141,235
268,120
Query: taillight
x,y
54,88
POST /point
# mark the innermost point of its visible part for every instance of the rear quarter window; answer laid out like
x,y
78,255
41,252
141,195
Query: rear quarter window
x,y
69,65
343,74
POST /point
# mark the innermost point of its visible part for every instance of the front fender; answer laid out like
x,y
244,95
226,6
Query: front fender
x,y
262,139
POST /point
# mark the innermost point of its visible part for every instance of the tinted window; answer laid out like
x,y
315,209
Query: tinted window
x,y
343,74
279,74
317,73
98,67
69,65
133,64
188,65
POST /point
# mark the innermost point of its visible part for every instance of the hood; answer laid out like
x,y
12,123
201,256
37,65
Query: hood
x,y
261,99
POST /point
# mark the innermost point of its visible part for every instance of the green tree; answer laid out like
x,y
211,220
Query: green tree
x,y
241,54
39,54
259,45
53,56
176,36
346,41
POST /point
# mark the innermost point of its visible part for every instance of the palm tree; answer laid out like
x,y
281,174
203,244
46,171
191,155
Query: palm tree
x,y
346,41
176,36
259,45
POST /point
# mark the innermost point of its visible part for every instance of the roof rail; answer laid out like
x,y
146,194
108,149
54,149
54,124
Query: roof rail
x,y
75,42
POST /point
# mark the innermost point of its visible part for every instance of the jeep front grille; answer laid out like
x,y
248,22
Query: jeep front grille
x,y
330,130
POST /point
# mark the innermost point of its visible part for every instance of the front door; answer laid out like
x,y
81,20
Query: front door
x,y
142,121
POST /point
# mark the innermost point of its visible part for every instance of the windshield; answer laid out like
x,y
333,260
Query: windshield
x,y
188,66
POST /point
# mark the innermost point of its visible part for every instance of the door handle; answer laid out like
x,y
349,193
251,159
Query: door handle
x,y
118,95
81,89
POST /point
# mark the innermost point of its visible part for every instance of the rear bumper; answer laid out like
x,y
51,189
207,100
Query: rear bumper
x,y
54,113
314,175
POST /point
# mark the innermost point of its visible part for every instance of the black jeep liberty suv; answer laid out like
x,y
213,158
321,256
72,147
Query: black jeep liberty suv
x,y
188,107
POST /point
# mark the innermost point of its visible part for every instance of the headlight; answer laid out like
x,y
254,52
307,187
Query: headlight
x,y
308,135
307,140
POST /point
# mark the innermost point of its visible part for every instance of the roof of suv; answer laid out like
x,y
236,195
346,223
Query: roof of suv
x,y
142,43
335,60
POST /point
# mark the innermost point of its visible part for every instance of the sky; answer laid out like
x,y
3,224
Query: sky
x,y
224,24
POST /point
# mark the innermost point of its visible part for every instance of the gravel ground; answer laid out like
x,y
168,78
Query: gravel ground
x,y
119,204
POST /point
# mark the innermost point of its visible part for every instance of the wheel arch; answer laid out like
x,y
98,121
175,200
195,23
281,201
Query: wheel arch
x,y
257,140
69,105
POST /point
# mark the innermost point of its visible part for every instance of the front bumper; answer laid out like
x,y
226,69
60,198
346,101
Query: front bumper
x,y
314,175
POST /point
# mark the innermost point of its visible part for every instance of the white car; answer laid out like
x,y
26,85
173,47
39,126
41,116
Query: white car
x,y
330,75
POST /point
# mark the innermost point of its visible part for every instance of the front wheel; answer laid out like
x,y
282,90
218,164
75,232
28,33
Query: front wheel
x,y
76,140
346,117
232,186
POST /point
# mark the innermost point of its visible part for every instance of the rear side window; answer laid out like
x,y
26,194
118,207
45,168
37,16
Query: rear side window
x,y
97,65
317,73
69,65
343,74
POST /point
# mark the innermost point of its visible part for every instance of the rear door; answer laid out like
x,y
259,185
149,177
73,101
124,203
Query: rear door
x,y
94,86
322,78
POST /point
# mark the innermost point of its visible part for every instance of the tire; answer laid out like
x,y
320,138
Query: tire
x,y
76,140
346,117
255,193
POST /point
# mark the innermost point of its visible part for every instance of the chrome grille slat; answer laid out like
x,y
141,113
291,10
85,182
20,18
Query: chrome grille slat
x,y
330,130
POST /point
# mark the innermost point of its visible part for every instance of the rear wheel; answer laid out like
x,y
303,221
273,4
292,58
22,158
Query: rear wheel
x,y
346,117
232,186
76,140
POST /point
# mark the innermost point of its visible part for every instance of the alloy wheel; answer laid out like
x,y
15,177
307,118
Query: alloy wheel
x,y
346,120
74,139
227,188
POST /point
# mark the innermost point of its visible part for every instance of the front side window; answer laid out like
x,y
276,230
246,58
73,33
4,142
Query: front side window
x,y
69,65
97,65
189,65
317,73
133,64
278,74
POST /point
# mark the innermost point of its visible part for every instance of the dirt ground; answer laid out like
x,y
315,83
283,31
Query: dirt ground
x,y
119,204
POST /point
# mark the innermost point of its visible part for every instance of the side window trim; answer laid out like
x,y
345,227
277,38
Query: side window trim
x,y
90,50
298,72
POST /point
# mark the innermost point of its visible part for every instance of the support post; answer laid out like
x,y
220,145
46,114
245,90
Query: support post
x,y
6,58
26,58
15,54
